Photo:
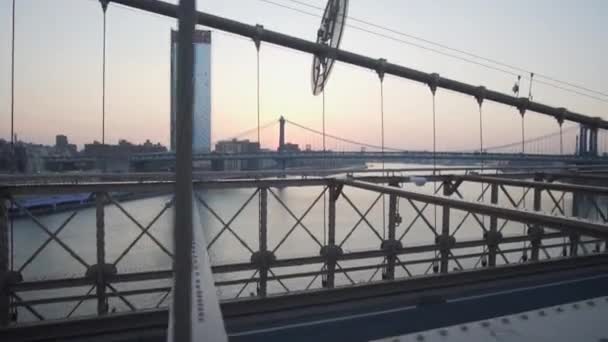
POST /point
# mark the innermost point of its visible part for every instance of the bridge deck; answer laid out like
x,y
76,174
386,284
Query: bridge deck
x,y
367,313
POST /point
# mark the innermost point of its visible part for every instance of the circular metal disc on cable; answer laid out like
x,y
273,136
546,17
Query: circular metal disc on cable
x,y
329,34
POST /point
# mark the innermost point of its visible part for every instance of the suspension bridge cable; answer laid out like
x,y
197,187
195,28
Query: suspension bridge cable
x,y
323,116
104,7
324,162
382,143
457,50
13,166
467,60
257,45
523,151
12,123
433,90
349,141
13,80
539,138
252,130
482,161
562,201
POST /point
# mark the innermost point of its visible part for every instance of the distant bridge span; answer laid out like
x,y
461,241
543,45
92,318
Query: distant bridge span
x,y
373,156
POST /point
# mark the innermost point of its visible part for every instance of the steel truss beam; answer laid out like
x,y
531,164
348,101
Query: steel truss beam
x,y
380,65
579,226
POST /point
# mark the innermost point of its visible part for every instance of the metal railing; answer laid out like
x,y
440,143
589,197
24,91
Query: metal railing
x,y
358,242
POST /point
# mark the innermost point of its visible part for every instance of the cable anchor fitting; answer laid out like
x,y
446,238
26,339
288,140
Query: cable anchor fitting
x,y
433,82
104,5
561,113
257,38
380,68
480,95
522,105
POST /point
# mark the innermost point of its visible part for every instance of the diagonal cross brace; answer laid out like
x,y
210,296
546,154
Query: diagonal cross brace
x,y
128,215
142,233
227,225
298,220
48,240
51,235
362,218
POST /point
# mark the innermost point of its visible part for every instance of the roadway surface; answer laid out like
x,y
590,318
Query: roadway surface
x,y
401,316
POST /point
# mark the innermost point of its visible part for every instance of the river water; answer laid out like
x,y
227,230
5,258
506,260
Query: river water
x,y
80,235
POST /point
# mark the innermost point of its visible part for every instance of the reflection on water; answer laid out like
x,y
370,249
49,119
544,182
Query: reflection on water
x,y
285,207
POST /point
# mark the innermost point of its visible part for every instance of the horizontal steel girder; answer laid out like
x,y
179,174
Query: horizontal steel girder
x,y
288,262
569,225
595,190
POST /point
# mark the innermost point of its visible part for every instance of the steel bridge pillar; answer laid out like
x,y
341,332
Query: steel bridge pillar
x,y
100,287
100,272
391,245
536,232
331,252
4,264
445,241
493,237
263,258
575,238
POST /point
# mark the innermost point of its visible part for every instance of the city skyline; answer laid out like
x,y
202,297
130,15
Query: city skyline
x,y
64,87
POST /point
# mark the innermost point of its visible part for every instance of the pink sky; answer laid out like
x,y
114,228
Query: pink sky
x,y
58,71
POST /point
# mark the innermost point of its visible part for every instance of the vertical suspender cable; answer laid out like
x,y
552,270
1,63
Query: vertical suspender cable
x,y
481,143
434,169
13,82
104,7
380,72
523,199
434,143
382,148
433,87
480,96
323,99
482,160
325,165
562,201
258,89
12,241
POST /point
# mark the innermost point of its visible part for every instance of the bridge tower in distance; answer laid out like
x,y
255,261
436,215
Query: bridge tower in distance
x,y
587,141
281,147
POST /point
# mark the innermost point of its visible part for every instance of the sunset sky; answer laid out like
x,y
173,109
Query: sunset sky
x,y
58,70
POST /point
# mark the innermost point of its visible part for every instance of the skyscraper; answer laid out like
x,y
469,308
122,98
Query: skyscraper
x,y
201,123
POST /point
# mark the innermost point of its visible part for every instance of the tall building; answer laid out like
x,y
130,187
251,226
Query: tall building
x,y
201,124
